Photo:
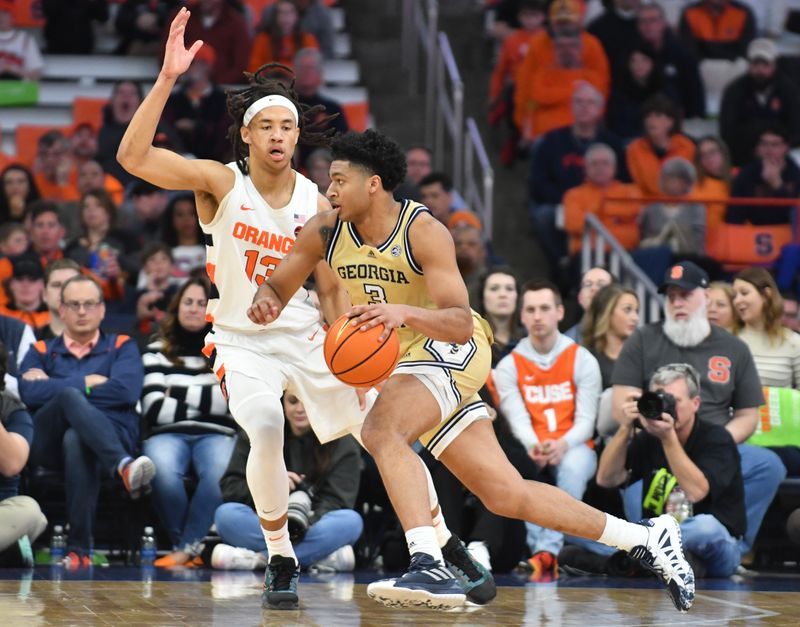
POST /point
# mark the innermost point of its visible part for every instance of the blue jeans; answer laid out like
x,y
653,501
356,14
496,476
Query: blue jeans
x,y
572,475
237,525
173,454
710,541
762,472
72,435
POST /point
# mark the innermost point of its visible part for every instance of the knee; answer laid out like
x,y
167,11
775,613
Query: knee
x,y
71,398
72,443
703,526
263,426
377,435
501,498
228,518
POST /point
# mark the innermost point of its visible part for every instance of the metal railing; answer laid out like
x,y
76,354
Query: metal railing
x,y
601,248
446,131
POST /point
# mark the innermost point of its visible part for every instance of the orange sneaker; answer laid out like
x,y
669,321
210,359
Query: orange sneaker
x,y
544,566
77,561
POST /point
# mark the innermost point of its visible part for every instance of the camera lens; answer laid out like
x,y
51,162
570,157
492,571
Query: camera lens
x,y
650,405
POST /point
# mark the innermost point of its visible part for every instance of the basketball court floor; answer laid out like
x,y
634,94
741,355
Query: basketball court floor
x,y
129,596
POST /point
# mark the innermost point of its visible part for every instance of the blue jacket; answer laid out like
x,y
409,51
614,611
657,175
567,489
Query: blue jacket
x,y
114,356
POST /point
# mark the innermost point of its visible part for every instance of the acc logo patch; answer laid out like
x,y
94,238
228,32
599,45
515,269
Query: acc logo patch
x,y
396,250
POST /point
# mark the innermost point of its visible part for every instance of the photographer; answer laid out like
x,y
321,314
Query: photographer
x,y
690,467
323,484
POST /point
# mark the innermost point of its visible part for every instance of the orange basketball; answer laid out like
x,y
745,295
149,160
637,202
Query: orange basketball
x,y
357,357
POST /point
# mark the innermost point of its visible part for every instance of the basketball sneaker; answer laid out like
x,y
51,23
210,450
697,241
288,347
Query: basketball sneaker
x,y
427,582
663,555
475,579
280,584
542,566
137,474
227,557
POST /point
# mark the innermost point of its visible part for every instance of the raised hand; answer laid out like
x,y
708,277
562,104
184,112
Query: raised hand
x,y
177,58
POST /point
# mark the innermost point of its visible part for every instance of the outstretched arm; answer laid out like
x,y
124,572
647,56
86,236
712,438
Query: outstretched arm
x,y
161,167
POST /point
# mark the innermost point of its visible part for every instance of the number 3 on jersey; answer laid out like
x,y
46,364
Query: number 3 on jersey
x,y
269,262
375,293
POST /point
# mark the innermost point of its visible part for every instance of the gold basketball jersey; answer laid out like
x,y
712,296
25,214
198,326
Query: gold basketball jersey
x,y
382,274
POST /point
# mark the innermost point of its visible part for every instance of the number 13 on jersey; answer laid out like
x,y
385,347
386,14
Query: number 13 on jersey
x,y
256,259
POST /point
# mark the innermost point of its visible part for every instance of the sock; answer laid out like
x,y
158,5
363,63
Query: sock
x,y
278,542
442,532
124,462
623,534
423,540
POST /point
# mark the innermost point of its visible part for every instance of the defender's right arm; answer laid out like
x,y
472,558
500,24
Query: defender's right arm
x,y
161,167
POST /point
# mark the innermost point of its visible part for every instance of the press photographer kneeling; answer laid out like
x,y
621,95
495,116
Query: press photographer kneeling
x,y
690,468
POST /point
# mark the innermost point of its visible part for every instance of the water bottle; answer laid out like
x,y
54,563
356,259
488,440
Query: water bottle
x,y
58,545
679,505
147,554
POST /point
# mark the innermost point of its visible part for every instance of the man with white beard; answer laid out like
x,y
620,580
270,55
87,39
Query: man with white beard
x,y
730,388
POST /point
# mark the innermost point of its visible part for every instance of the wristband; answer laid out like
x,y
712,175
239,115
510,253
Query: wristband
x,y
88,390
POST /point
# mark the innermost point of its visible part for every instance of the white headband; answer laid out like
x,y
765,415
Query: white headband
x,y
270,101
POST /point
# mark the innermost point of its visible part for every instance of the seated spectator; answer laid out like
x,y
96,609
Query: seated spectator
x,y
188,425
323,483
615,28
17,191
318,166
762,95
557,58
145,221
156,287
69,26
679,68
221,25
555,427
717,29
503,18
591,282
791,312
720,310
197,110
309,78
13,240
56,274
680,226
91,176
662,140
140,25
20,54
712,164
691,469
603,196
46,231
610,319
471,255
499,306
772,175
25,290
16,337
640,78
419,160
279,39
21,519
775,349
181,232
315,18
82,388
53,169
436,193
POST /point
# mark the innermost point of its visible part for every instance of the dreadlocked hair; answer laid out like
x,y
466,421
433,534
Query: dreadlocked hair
x,y
375,152
275,79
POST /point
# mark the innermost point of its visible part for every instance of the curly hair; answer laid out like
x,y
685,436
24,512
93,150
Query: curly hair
x,y
274,79
377,153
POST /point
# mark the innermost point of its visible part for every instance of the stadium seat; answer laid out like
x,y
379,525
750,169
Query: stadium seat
x,y
88,111
737,246
27,136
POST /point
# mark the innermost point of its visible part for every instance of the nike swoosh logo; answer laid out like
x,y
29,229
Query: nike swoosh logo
x,y
529,378
243,208
313,335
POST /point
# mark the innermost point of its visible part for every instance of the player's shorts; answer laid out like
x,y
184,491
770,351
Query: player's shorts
x,y
453,373
290,362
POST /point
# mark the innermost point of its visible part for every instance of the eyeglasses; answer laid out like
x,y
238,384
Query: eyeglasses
x,y
88,305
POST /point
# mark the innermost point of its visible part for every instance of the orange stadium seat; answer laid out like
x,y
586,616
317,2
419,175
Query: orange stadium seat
x,y
88,111
357,114
737,246
28,14
26,136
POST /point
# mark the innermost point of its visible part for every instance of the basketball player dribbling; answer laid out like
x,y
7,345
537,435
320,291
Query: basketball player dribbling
x,y
250,212
399,266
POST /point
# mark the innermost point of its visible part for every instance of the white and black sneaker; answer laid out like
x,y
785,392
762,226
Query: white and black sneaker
x,y
427,582
663,556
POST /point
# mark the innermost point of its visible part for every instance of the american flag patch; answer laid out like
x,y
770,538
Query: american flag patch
x,y
299,219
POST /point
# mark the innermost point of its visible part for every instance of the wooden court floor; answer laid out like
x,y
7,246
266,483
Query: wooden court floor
x,y
233,599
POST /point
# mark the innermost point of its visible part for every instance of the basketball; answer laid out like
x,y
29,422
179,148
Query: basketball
x,y
358,358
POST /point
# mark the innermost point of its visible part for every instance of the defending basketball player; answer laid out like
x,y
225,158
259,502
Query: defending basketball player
x,y
399,266
250,212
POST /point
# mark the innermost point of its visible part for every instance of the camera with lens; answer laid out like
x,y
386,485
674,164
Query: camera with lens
x,y
652,404
299,512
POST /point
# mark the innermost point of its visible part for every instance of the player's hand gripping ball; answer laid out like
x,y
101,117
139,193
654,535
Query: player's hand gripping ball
x,y
358,358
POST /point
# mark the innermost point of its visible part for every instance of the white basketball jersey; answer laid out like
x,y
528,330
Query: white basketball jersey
x,y
244,244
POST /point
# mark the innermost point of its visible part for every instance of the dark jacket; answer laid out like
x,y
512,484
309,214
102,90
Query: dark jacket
x,y
336,489
68,26
209,138
681,76
749,183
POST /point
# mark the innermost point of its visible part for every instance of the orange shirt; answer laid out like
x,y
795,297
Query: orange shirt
x,y
261,52
59,193
543,94
513,51
619,217
36,319
712,188
645,166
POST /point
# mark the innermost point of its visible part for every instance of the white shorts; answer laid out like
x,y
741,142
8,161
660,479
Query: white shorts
x,y
290,362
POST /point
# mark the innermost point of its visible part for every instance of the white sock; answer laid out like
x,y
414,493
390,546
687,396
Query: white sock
x,y
442,532
623,534
423,540
278,542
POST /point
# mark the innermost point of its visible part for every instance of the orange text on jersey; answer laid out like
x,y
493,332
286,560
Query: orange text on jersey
x,y
264,239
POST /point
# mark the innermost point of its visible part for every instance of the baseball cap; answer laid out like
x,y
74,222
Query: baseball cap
x,y
457,218
565,11
763,49
686,275
26,267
